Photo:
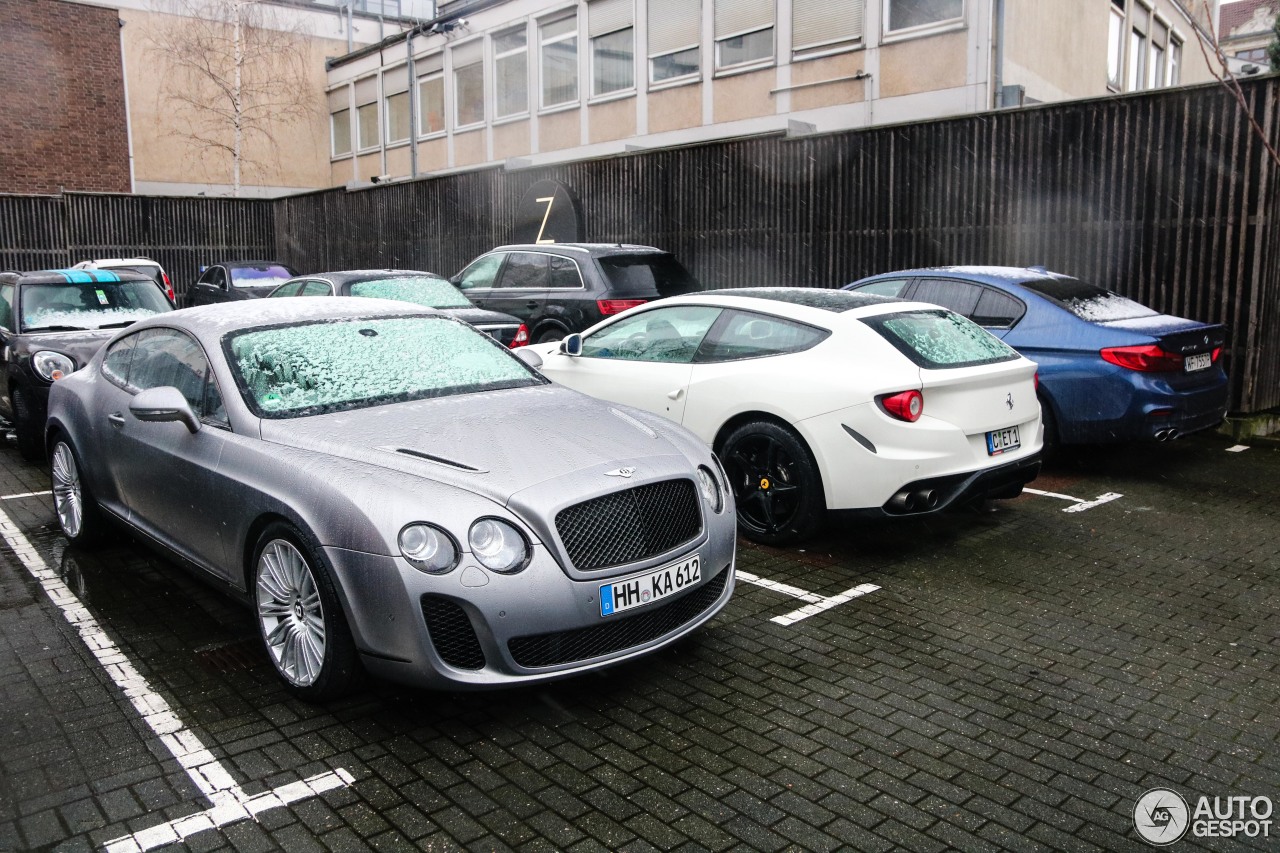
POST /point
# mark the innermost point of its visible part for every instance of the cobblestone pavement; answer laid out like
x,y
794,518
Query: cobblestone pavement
x,y
1018,679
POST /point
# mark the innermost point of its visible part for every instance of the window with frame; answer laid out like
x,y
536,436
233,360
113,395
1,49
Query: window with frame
x,y
675,32
430,71
564,273
511,73
395,92
1115,44
482,272
559,44
468,84
911,14
745,334
885,287
340,122
818,25
1139,40
1175,63
1137,60
744,32
6,307
168,357
670,335
367,130
611,29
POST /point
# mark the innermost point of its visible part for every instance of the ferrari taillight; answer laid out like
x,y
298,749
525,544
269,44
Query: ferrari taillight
x,y
905,405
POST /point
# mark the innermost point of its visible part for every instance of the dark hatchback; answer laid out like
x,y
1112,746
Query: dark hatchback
x,y
558,288
414,286
51,323
1111,369
226,282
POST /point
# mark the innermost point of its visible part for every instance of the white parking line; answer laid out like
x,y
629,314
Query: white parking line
x,y
230,803
1077,504
1237,448
817,603
24,495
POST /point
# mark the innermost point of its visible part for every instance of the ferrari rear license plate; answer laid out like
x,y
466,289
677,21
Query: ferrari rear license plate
x,y
1003,440
647,588
1199,361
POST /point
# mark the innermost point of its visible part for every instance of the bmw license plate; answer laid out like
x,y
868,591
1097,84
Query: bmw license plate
x,y
1199,361
1003,440
647,588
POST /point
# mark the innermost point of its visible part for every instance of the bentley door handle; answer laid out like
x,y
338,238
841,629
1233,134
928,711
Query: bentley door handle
x,y
116,419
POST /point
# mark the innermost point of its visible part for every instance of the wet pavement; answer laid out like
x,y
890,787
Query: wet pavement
x,y
1005,680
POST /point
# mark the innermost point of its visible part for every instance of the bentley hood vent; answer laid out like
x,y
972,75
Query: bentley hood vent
x,y
439,460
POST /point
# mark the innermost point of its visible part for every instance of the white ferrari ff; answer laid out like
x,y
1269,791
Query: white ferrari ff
x,y
821,400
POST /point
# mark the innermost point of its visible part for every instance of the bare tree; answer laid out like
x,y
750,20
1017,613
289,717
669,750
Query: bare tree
x,y
234,77
1220,68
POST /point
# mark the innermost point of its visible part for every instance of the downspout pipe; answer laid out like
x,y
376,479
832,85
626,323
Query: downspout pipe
x,y
997,38
413,125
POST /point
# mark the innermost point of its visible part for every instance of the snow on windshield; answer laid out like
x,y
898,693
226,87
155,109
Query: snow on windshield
x,y
89,306
940,339
426,291
347,364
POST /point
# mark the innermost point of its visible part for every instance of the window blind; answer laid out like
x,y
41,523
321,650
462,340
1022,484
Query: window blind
x,y
466,54
607,16
816,22
367,90
738,16
340,99
395,80
673,25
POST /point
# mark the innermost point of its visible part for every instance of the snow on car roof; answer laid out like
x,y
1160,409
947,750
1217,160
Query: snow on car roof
x,y
828,300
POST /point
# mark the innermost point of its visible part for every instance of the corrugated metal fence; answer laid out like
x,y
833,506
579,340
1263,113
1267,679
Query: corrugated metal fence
x,y
1165,196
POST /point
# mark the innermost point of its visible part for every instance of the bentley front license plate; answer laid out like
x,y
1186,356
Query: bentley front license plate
x,y
647,588
1002,440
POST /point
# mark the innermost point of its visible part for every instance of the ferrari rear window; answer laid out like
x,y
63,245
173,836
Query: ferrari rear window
x,y
428,291
1089,302
330,366
940,338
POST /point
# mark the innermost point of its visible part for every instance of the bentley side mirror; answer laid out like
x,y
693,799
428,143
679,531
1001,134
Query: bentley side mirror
x,y
529,357
163,405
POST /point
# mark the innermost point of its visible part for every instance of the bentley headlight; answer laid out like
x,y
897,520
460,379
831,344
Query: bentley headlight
x,y
428,549
51,365
710,487
498,546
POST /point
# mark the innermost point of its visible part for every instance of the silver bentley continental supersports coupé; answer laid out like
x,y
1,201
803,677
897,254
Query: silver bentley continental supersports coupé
x,y
394,492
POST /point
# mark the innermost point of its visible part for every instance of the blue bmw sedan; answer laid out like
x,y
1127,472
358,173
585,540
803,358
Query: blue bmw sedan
x,y
1111,369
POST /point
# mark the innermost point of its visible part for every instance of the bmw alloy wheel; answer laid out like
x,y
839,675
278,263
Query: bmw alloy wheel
x,y
68,498
290,613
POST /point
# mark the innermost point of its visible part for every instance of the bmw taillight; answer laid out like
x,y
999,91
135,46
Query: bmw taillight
x,y
1144,358
905,405
617,306
168,288
521,338
1217,351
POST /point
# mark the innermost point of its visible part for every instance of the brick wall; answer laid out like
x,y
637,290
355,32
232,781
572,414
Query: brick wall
x,y
62,109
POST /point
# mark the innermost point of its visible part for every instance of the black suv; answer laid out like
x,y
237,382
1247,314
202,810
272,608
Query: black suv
x,y
51,323
558,288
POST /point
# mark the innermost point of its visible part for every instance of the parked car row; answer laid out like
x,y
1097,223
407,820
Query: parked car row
x,y
530,512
